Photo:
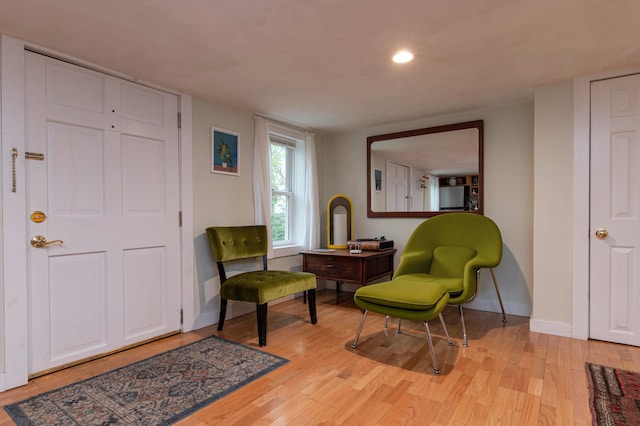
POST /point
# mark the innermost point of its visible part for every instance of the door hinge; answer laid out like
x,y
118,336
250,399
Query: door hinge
x,y
181,317
179,218
179,120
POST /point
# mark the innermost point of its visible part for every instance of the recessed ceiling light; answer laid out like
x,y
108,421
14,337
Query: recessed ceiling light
x,y
402,57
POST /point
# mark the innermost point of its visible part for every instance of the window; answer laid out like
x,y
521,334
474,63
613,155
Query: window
x,y
287,190
281,192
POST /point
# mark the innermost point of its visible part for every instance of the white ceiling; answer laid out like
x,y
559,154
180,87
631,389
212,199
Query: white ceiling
x,y
451,153
326,64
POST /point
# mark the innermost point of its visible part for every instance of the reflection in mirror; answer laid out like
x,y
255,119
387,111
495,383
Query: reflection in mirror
x,y
424,172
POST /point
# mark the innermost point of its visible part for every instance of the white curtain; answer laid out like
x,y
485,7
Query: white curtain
x,y
434,192
311,219
262,177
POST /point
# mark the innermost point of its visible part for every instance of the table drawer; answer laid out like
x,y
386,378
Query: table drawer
x,y
337,268
376,268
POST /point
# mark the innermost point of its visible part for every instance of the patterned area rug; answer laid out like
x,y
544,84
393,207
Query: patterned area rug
x,y
156,391
615,395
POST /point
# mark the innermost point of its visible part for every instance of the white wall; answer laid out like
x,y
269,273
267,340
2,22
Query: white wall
x,y
561,224
553,208
508,186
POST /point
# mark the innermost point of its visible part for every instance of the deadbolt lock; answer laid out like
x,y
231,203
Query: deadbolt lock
x,y
38,216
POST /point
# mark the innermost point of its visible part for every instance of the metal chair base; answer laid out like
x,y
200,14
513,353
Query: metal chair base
x,y
436,370
495,284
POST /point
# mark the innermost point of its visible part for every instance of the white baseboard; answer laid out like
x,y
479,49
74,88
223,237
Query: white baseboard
x,y
550,327
494,306
204,320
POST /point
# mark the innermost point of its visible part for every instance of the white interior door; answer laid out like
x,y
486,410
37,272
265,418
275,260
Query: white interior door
x,y
108,188
397,181
615,207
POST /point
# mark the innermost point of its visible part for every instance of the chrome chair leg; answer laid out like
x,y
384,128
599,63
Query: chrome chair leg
x,y
355,342
464,328
495,284
445,330
436,370
386,323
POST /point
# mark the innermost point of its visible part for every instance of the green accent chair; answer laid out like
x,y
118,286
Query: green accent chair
x,y
259,287
439,266
450,249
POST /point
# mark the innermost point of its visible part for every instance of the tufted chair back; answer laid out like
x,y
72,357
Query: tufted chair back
x,y
237,242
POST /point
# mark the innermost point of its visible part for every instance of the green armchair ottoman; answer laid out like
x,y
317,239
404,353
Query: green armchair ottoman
x,y
405,299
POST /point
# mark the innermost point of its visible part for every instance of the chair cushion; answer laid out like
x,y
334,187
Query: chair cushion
x,y
264,286
454,286
403,293
449,261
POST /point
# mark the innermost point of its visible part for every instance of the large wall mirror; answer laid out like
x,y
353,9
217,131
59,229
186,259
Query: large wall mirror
x,y
425,172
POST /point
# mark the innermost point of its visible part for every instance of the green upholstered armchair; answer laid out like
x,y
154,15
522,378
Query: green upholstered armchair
x,y
450,249
259,287
439,266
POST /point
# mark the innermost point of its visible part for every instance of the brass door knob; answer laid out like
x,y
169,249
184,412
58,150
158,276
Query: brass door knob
x,y
601,234
40,241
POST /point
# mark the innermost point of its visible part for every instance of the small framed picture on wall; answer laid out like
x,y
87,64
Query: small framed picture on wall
x,y
378,179
225,152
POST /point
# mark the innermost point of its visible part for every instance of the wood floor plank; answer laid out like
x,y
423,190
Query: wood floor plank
x,y
507,375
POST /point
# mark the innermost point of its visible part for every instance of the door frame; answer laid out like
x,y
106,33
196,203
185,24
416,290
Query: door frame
x,y
582,174
14,344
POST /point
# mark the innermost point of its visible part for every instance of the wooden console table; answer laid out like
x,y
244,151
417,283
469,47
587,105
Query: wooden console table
x,y
343,267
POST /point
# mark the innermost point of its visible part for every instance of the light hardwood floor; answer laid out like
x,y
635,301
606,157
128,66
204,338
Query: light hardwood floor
x,y
507,375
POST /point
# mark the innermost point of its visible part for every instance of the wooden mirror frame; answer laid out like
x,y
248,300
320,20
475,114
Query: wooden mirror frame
x,y
477,124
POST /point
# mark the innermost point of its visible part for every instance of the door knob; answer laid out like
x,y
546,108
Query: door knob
x,y
601,234
40,241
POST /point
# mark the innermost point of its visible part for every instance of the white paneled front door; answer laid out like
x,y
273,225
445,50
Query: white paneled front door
x,y
108,189
615,208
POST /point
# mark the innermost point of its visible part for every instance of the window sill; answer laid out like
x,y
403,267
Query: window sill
x,y
284,251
